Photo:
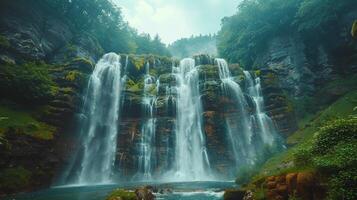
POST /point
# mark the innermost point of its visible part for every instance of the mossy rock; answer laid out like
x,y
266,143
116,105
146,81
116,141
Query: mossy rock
x,y
73,76
354,29
14,179
137,62
134,86
233,194
120,194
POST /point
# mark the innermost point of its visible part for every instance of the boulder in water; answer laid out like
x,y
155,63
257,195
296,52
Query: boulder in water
x,y
145,193
120,194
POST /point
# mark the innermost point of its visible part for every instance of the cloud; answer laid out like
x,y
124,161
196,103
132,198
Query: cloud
x,y
174,19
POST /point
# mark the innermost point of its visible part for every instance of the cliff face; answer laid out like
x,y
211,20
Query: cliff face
x,y
306,63
31,37
218,110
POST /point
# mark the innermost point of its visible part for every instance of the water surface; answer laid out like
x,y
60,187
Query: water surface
x,y
180,191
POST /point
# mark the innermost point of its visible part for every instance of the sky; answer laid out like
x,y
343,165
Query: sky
x,y
175,19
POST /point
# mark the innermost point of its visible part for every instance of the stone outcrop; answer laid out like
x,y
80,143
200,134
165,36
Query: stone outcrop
x,y
301,185
277,104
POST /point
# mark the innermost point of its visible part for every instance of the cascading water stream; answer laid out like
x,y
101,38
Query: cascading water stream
x,y
191,159
241,135
266,127
94,161
147,145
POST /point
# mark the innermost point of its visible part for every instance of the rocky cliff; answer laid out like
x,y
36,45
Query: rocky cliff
x,y
305,64
43,47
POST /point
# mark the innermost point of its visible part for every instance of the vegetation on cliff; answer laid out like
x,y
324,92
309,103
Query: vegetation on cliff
x,y
246,33
28,83
325,145
102,20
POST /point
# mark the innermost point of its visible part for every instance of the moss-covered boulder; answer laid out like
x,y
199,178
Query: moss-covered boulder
x,y
14,179
120,194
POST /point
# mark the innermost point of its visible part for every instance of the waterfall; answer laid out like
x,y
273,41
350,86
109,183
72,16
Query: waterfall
x,y
146,159
239,130
191,159
94,161
265,124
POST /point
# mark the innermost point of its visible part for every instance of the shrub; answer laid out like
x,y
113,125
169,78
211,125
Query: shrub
x,y
343,185
335,132
302,157
342,156
27,83
332,153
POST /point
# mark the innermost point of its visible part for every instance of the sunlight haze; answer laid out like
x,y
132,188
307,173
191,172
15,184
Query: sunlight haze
x,y
174,19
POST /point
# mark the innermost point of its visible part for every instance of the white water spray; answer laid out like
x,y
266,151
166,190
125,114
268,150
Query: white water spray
x,y
191,159
94,162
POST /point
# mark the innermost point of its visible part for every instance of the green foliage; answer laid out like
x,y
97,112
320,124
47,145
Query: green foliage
x,y
14,179
121,194
343,185
138,62
300,157
342,108
28,83
341,130
21,121
244,35
315,15
73,75
341,156
146,45
101,19
245,174
133,86
4,42
333,153
259,194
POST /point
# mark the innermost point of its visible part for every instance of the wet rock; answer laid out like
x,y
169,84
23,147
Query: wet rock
x,y
233,194
145,193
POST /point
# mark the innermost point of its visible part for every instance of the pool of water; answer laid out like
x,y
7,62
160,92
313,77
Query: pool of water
x,y
178,191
